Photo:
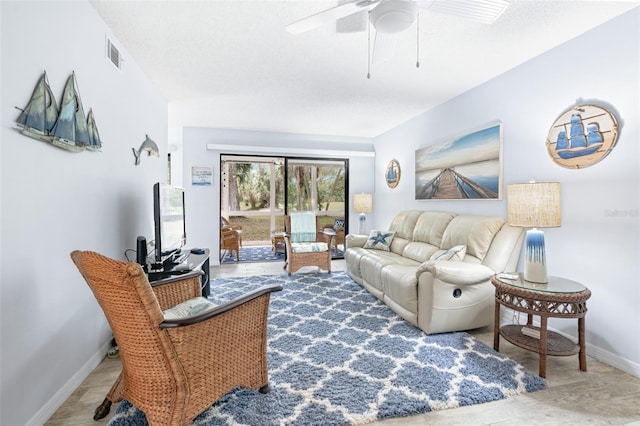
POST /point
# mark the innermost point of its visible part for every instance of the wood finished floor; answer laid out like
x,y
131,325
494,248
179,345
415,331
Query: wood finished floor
x,y
601,396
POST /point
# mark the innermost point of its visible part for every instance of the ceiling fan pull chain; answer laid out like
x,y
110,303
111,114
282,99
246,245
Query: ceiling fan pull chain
x,y
369,46
418,40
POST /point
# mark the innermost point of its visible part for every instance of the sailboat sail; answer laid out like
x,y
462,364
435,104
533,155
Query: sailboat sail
x,y
70,131
41,112
578,144
94,137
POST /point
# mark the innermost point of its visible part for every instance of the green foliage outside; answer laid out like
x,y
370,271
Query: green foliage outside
x,y
249,190
257,228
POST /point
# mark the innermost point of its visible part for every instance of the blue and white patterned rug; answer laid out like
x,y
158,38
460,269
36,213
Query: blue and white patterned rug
x,y
339,356
252,254
255,254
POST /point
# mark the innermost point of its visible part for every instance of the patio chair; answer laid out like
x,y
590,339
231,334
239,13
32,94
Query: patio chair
x,y
230,238
226,225
174,369
304,245
335,225
229,242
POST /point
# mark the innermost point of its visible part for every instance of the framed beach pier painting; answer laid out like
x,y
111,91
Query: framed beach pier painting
x,y
462,168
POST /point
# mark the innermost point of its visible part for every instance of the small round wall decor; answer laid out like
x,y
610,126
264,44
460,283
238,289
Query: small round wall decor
x,y
392,174
583,135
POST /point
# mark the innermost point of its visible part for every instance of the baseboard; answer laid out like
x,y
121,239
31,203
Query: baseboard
x,y
593,351
613,360
65,391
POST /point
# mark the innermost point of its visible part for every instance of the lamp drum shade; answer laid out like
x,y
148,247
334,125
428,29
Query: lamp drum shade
x,y
534,205
363,203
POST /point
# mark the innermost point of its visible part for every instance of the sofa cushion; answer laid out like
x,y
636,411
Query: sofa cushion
x,y
398,245
371,266
402,224
309,247
379,240
455,253
476,232
426,237
399,284
430,227
419,251
352,257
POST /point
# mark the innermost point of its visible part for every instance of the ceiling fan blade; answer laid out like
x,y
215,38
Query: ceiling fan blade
x,y
329,16
485,11
355,23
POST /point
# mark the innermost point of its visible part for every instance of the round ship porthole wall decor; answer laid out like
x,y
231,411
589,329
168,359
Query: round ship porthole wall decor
x,y
392,174
583,134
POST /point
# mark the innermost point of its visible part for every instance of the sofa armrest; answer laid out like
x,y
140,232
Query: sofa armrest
x,y
355,240
457,273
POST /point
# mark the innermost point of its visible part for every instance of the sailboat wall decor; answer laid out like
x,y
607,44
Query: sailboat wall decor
x,y
583,134
67,127
392,174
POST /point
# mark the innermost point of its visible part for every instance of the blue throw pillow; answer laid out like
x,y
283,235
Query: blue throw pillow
x,y
454,253
338,224
380,240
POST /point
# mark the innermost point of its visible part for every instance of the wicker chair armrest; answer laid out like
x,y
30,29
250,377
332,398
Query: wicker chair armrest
x,y
323,237
177,289
228,231
220,309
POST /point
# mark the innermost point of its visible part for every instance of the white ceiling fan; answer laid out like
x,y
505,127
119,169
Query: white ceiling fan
x,y
394,16
390,17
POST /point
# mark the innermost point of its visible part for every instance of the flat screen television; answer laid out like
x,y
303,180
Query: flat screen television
x,y
169,222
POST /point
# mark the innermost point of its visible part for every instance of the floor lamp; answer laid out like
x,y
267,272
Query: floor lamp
x,y
534,205
362,203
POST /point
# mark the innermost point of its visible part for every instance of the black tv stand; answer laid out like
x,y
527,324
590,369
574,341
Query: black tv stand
x,y
168,262
195,262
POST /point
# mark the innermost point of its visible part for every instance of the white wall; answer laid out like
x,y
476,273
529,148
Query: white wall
x,y
203,203
598,243
53,333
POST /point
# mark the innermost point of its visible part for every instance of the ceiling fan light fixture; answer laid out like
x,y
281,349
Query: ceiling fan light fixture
x,y
393,16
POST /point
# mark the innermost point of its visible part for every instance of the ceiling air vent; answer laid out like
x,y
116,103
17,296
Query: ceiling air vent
x,y
113,54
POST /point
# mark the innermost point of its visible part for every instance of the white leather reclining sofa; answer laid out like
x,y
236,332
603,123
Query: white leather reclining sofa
x,y
414,279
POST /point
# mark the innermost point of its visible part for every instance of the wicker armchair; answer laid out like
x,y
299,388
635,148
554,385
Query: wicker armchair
x,y
173,370
229,242
226,225
297,259
331,222
230,238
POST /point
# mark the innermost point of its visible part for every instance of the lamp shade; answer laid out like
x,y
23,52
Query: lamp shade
x,y
533,205
362,203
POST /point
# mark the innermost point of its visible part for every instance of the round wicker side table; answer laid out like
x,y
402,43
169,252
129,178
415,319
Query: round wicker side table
x,y
559,298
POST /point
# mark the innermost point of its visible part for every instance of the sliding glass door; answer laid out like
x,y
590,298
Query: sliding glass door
x,y
256,192
252,195
320,186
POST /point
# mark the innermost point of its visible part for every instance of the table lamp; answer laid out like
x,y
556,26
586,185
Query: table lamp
x,y
534,205
362,203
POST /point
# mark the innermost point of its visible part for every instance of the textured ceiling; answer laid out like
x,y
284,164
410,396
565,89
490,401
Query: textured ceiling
x,y
231,64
